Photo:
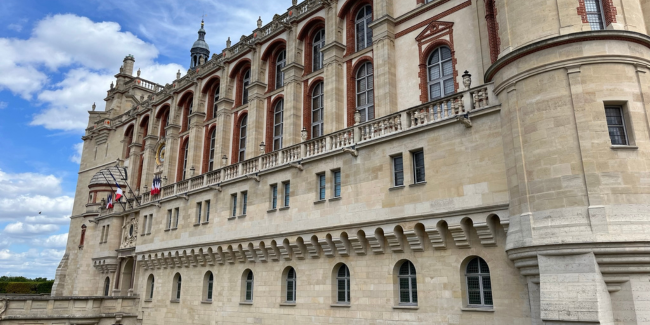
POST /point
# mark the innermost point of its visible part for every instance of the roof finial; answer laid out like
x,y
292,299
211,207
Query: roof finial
x,y
178,74
259,22
94,106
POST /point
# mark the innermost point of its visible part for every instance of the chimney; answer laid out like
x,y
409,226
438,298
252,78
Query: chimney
x,y
129,61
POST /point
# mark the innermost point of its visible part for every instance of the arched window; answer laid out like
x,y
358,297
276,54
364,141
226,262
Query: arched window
x,y
129,140
215,100
150,286
291,285
83,235
248,286
185,159
279,65
176,289
317,45
365,92
246,82
479,287
107,286
208,285
189,112
343,285
213,136
242,138
317,111
440,73
363,32
408,289
278,118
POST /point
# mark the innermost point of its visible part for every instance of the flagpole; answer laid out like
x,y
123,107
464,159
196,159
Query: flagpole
x,y
109,184
127,184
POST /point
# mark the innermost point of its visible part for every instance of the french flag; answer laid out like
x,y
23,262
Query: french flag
x,y
118,193
109,202
155,186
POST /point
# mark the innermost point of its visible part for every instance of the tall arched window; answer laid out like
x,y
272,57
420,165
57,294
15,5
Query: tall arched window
x,y
208,285
176,289
278,119
150,285
279,65
408,289
129,140
107,286
317,111
363,32
343,285
215,100
246,82
213,136
248,287
291,285
365,92
185,149
189,112
479,287
317,45
440,73
242,138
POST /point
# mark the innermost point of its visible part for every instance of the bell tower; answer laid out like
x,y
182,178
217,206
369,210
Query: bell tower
x,y
200,49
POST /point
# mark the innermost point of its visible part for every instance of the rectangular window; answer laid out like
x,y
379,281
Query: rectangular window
x,y
178,212
207,210
321,186
337,183
594,14
616,125
287,191
418,166
198,212
234,204
101,239
244,202
274,196
169,219
144,225
398,171
150,224
106,234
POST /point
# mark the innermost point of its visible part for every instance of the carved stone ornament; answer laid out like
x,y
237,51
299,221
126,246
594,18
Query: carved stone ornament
x,y
160,154
130,233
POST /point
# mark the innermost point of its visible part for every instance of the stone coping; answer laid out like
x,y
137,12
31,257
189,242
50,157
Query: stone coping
x,y
24,297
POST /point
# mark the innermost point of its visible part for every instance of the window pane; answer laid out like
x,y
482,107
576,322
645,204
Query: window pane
x,y
472,267
447,68
414,290
449,86
446,53
435,57
434,72
435,91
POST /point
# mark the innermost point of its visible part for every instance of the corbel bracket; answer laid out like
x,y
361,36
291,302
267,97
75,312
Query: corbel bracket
x,y
464,119
255,177
297,165
351,151
184,196
216,187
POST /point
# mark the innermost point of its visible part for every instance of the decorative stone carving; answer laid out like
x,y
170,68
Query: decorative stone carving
x,y
459,235
376,245
414,241
485,234
394,242
341,247
437,239
129,233
358,246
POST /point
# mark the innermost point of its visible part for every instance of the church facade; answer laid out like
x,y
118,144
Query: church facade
x,y
373,162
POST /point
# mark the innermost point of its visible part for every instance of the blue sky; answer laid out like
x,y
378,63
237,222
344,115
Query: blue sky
x,y
57,57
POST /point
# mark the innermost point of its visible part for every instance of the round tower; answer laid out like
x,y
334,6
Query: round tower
x,y
200,49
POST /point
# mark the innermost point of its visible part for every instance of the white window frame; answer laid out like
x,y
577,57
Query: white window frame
x,y
364,21
280,63
412,284
317,97
245,83
367,110
317,55
278,122
442,79
243,125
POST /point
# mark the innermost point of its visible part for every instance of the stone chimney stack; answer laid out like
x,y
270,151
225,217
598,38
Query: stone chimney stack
x,y
129,61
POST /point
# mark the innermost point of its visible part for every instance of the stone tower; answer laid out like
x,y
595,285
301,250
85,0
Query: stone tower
x,y
199,49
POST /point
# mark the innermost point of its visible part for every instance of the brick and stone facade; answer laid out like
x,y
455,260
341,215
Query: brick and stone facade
x,y
519,170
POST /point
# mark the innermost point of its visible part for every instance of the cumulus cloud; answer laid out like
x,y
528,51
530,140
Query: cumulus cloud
x,y
22,229
63,220
32,263
78,149
27,194
54,241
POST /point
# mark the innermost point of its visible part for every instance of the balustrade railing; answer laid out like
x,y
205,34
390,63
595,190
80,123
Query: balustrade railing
x,y
315,147
341,139
214,177
168,190
182,186
196,182
271,160
250,166
230,172
291,154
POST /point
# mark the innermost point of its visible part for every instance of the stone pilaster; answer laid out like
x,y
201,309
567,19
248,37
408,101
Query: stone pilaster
x,y
334,97
195,149
224,122
383,34
171,152
292,91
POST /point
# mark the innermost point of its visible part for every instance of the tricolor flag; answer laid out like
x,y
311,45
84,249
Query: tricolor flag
x,y
155,186
118,193
109,202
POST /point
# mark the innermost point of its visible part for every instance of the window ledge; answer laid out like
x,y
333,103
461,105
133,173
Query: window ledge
x,y
394,188
271,210
242,216
175,301
288,304
205,222
283,208
478,309
165,230
247,303
232,218
206,301
624,147
197,224
320,201
418,184
174,228
341,305
358,53
412,307
148,300
338,198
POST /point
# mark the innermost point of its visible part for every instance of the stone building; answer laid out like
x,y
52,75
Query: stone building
x,y
374,162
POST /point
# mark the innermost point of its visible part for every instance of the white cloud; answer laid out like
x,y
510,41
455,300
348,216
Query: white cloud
x,y
3,105
78,149
27,194
32,263
54,241
15,27
63,220
21,229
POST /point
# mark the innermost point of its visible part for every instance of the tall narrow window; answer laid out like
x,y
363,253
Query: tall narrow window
x,y
274,196
210,286
249,287
479,287
616,125
244,202
246,82
408,289
106,235
398,171
440,73
279,65
287,192
83,235
189,112
107,286
291,285
213,136
215,100
594,13
152,281
242,138
317,45
337,183
343,285
169,219
365,92
317,111
278,117
321,186
101,239
234,204
178,211
207,210
418,166
150,224
363,32
198,212
185,149
178,287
